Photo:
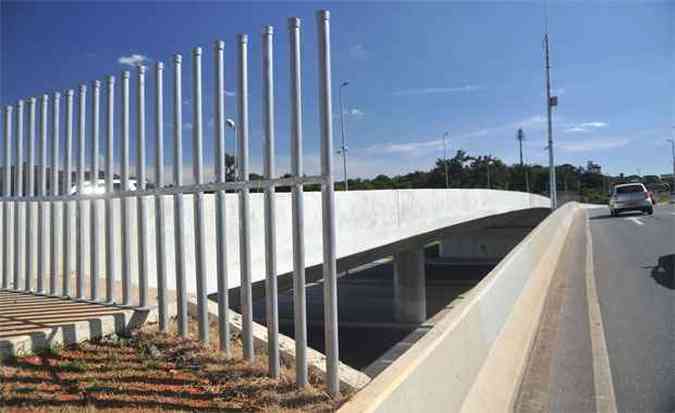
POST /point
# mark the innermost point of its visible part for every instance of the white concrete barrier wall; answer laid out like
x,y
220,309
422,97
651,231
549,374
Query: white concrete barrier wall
x,y
438,372
365,220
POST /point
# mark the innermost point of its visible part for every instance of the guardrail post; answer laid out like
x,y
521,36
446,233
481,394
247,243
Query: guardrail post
x,y
198,165
244,236
30,191
109,188
67,205
221,234
179,210
328,198
297,208
271,300
79,261
160,211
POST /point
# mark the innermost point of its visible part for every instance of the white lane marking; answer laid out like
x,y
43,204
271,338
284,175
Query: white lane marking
x,y
636,220
605,400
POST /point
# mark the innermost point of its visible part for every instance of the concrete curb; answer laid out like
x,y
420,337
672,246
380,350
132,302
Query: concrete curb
x,y
472,359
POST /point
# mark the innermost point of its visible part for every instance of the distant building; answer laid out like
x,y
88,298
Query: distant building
x,y
593,168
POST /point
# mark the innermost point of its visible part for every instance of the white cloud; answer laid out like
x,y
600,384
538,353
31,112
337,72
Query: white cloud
x,y
355,112
432,90
585,127
230,93
133,60
594,145
358,51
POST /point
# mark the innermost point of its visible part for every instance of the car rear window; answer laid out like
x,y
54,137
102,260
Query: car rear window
x,y
629,189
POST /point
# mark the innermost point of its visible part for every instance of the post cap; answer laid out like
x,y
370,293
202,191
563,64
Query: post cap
x,y
70,92
293,23
268,30
126,74
243,38
197,51
160,66
177,58
219,45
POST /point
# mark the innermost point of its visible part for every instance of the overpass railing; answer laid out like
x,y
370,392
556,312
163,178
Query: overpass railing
x,y
53,191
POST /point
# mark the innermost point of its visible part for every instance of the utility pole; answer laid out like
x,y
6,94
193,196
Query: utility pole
x,y
343,148
445,157
521,137
550,102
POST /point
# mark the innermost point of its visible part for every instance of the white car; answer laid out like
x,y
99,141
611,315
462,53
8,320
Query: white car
x,y
99,188
630,197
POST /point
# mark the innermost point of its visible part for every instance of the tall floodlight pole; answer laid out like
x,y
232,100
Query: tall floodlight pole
x,y
343,148
521,137
672,145
445,158
550,102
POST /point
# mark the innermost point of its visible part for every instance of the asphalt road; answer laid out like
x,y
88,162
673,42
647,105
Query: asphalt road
x,y
633,267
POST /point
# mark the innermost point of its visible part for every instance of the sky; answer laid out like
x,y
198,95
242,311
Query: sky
x,y
415,70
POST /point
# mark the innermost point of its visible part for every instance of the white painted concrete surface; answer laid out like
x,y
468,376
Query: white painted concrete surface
x,y
365,220
445,371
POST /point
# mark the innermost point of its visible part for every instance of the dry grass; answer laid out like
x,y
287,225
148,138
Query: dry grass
x,y
148,371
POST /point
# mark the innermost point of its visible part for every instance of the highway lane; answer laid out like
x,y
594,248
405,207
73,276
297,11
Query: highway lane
x,y
633,268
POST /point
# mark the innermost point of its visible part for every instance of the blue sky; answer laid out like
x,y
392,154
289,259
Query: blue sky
x,y
416,70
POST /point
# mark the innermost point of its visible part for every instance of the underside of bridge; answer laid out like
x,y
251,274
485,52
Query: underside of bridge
x,y
389,297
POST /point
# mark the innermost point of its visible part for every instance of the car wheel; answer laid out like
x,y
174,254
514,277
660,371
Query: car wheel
x,y
650,211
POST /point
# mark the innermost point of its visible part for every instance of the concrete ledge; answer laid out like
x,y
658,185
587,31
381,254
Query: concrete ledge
x,y
452,367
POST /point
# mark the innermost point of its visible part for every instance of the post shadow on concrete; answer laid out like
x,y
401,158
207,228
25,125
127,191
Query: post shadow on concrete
x,y
664,271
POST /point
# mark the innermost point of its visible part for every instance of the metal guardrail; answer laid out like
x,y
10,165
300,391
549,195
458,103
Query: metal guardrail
x,y
21,231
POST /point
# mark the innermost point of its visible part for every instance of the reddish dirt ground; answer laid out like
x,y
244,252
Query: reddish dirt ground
x,y
148,371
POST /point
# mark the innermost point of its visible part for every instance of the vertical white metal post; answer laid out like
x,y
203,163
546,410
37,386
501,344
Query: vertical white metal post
x,y
198,169
328,198
160,211
297,207
179,210
141,185
67,205
30,191
109,213
124,202
6,192
54,186
42,191
244,236
20,207
271,300
221,234
79,260
93,216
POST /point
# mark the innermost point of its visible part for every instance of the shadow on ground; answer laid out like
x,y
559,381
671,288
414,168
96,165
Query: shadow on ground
x,y
664,271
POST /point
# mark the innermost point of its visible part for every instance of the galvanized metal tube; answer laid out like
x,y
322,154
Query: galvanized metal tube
x,y
221,234
124,203
271,300
328,200
109,188
54,186
42,191
19,207
141,185
160,211
179,210
67,205
297,208
244,235
30,191
95,228
7,192
79,259
198,166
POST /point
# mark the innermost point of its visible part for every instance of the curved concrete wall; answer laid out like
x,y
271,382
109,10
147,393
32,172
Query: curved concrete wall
x,y
365,220
496,320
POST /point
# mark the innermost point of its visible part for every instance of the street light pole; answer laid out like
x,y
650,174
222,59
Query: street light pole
x,y
232,125
672,145
445,157
343,149
550,102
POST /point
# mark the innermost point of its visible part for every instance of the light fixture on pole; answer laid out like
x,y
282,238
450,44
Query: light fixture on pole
x,y
343,149
232,125
445,157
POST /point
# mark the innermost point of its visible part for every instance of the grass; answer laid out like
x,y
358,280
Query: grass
x,y
149,371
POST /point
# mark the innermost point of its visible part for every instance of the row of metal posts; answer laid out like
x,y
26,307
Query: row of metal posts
x,y
22,199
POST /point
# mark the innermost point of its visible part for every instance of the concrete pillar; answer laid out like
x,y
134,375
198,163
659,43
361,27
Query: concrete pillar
x,y
410,303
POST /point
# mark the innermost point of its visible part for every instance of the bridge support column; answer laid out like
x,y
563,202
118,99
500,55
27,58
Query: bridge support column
x,y
410,303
